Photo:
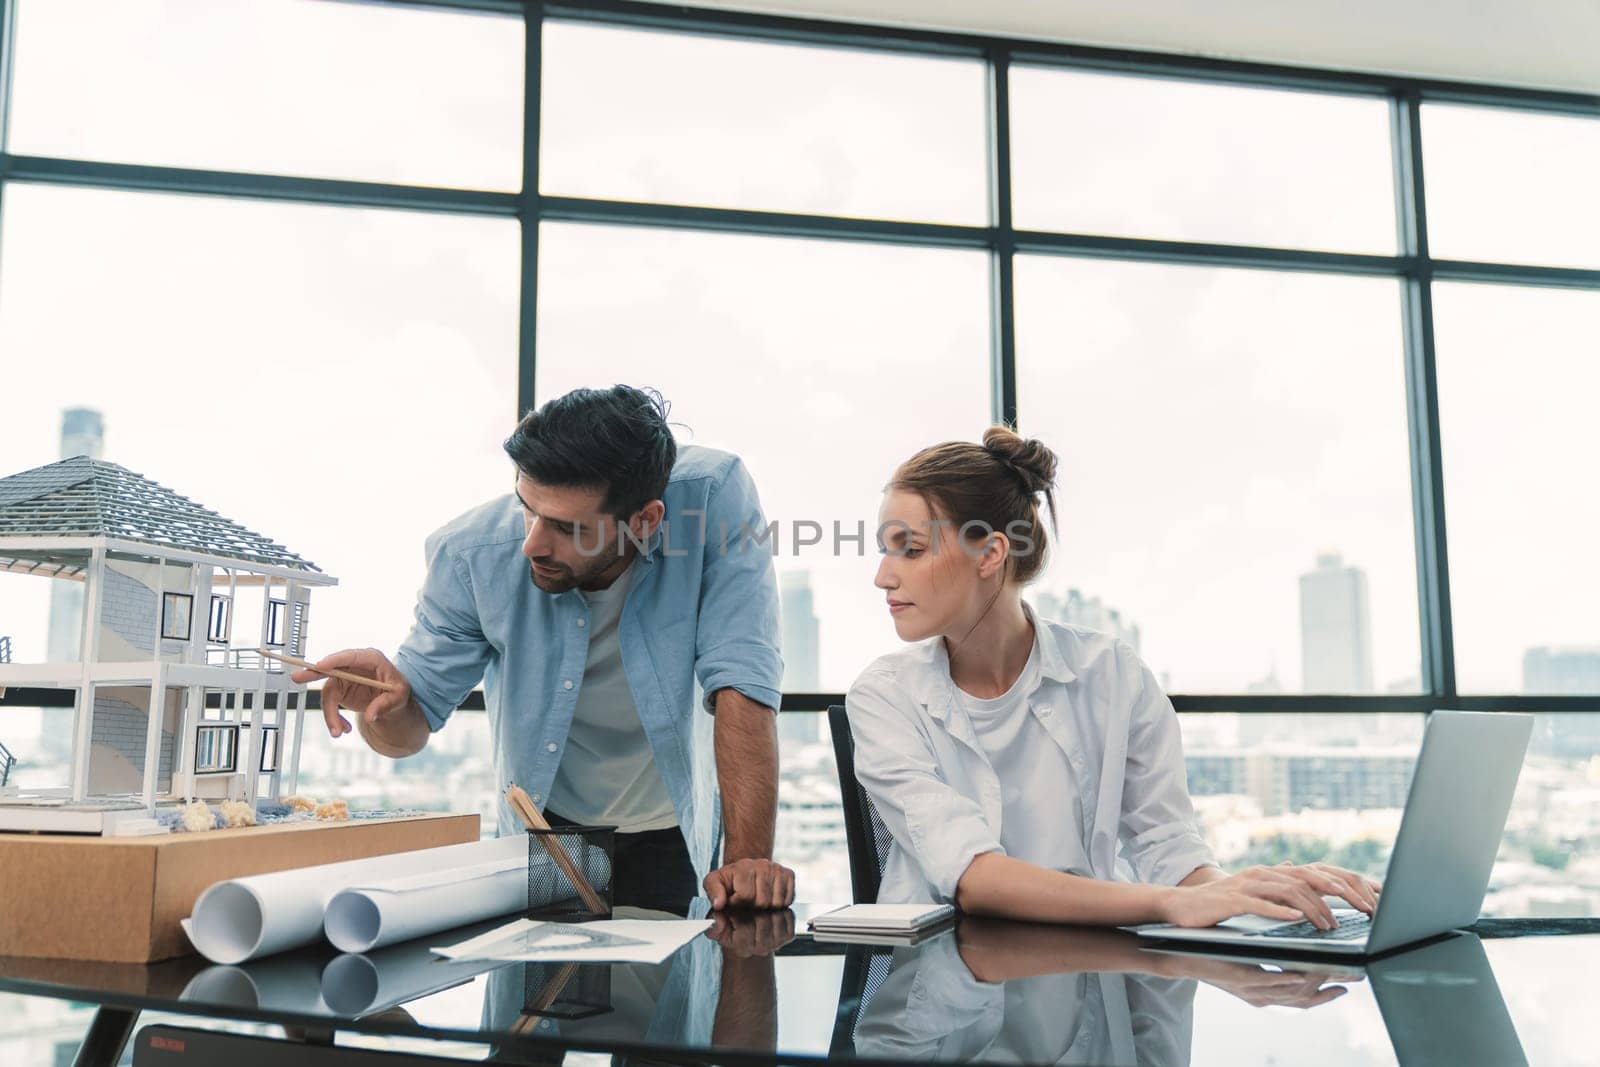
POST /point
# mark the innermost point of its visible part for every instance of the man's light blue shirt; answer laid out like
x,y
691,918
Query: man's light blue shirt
x,y
702,615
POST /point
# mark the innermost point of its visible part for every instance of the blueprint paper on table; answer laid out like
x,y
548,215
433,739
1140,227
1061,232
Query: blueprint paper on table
x,y
378,913
367,903
604,941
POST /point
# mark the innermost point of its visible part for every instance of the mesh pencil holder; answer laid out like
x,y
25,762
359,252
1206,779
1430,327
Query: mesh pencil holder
x,y
585,855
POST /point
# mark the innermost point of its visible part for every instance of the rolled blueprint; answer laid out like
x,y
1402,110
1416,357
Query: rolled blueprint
x,y
411,894
373,914
245,918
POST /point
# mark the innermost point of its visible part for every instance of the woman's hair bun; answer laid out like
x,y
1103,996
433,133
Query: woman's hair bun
x,y
1031,459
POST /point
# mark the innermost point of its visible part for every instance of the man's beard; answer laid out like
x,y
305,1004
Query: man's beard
x,y
569,579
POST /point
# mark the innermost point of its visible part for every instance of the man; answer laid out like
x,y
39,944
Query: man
x,y
622,570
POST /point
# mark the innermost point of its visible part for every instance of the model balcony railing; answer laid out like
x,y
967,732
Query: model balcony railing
x,y
5,650
245,659
7,761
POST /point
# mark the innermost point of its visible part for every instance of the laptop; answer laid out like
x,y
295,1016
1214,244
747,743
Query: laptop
x,y
1439,870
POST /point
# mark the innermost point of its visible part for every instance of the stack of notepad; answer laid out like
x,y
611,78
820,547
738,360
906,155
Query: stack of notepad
x,y
899,924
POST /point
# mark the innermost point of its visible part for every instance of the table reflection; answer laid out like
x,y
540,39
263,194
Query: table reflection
x,y
720,990
1015,993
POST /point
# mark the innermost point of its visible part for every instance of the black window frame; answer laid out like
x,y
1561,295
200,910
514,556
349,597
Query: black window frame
x,y
229,730
221,610
169,601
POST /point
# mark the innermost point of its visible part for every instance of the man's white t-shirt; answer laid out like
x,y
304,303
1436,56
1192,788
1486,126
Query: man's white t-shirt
x,y
608,774
1030,766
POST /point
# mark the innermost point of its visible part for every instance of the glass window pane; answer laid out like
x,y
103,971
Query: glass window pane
x,y
1512,186
823,364
1146,157
1522,513
1549,864
639,115
810,833
1234,484
336,379
1272,787
374,92
1269,787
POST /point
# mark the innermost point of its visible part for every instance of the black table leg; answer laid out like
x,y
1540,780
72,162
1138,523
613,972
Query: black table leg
x,y
108,1035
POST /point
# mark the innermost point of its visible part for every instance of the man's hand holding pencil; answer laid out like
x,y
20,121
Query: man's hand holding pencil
x,y
363,680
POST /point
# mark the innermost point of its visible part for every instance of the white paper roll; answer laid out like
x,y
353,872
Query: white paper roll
x,y
245,918
363,917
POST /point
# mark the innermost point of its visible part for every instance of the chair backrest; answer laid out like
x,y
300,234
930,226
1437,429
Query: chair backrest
x,y
867,839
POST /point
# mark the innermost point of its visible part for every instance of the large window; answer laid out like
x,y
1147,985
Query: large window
x,y
1519,370
1144,157
1513,185
632,115
281,86
1314,347
802,357
1233,481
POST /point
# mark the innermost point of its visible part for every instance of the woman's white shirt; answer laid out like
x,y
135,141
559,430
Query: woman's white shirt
x,y
1022,753
920,757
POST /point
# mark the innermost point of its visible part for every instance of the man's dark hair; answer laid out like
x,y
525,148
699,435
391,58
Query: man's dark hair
x,y
615,438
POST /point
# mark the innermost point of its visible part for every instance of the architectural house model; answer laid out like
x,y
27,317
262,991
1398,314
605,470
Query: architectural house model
x,y
172,701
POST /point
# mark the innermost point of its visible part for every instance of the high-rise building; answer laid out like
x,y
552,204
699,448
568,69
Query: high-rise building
x,y
801,671
1335,628
82,434
1089,612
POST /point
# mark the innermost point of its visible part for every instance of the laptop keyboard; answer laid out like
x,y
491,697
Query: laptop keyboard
x,y
1349,928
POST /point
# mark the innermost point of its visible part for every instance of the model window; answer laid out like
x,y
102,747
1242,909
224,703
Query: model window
x,y
216,749
274,633
175,611
269,749
220,631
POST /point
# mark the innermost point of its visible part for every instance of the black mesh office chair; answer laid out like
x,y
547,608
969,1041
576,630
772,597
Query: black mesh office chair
x,y
867,839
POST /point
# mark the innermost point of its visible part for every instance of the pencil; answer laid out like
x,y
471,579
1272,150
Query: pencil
x,y
387,687
533,820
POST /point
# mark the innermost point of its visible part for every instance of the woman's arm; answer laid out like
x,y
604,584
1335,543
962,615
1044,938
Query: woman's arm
x,y
1004,887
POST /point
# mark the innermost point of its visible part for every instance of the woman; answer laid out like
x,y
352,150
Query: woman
x,y
1011,756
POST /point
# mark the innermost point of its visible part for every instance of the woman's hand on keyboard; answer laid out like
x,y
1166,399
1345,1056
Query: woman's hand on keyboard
x,y
1357,890
1271,892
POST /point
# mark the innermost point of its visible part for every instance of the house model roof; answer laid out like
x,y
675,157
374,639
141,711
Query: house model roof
x,y
83,497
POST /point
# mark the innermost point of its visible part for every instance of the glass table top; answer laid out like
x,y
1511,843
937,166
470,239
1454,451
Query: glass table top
x,y
756,987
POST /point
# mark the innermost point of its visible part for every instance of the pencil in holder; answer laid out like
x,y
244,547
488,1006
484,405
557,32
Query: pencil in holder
x,y
570,873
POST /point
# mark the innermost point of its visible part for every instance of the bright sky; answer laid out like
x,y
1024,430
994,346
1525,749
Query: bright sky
x,y
340,379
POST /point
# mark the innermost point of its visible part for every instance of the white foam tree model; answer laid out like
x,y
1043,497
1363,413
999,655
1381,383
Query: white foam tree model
x,y
170,695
